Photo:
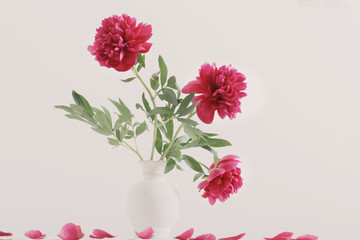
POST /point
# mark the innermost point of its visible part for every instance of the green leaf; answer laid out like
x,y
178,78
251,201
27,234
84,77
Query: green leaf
x,y
123,133
129,135
141,60
169,165
128,79
188,110
101,119
158,142
122,108
216,160
163,70
218,142
146,103
113,142
138,106
197,176
185,102
170,96
169,129
172,83
80,100
192,163
66,108
179,167
107,115
175,153
154,81
141,128
188,121
190,131
71,116
160,110
210,149
101,131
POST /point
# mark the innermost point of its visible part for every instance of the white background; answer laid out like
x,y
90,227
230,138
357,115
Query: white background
x,y
298,135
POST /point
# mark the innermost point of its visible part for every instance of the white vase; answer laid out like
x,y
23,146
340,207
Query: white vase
x,y
153,201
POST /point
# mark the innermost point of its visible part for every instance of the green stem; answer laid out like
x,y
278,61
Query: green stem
x,y
132,149
174,138
154,105
123,143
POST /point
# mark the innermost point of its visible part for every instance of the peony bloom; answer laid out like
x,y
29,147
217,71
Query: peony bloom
x,y
5,234
223,180
34,234
282,236
119,40
146,234
100,234
220,90
70,231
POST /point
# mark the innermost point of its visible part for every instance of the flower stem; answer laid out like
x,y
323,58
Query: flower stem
x,y
175,136
123,143
154,105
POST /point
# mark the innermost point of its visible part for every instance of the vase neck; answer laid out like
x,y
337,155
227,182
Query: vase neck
x,y
153,168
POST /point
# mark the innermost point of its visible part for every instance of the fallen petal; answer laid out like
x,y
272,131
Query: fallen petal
x,y
34,234
282,236
146,234
100,234
208,236
5,234
186,235
70,231
233,238
307,237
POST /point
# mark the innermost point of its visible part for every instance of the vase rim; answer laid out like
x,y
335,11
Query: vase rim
x,y
152,168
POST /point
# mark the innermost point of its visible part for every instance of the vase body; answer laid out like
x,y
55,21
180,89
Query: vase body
x,y
153,201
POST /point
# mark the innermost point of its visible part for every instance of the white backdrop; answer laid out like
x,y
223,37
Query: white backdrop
x,y
298,136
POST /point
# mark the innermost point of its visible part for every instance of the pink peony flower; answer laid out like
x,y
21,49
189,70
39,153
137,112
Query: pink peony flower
x,y
100,234
70,231
146,234
186,235
223,180
282,236
237,237
220,90
5,234
34,234
119,40
307,237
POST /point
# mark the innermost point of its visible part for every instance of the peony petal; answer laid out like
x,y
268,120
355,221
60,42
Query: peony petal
x,y
146,234
194,86
5,234
233,238
34,234
70,231
205,112
186,235
127,62
282,236
100,234
215,173
208,236
307,237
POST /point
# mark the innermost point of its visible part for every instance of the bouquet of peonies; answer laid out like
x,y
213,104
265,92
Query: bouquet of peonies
x,y
120,43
